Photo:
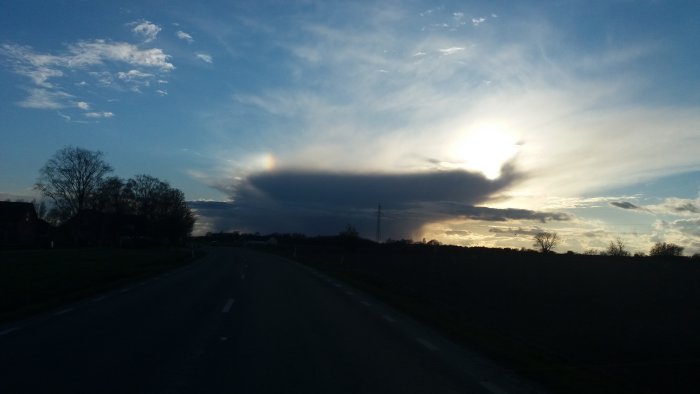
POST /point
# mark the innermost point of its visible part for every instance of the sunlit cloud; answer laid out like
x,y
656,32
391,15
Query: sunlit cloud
x,y
83,105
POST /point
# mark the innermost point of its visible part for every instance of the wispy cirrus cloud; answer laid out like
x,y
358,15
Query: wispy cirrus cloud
x,y
46,99
95,115
184,36
205,57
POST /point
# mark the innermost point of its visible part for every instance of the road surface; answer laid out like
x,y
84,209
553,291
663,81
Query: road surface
x,y
239,321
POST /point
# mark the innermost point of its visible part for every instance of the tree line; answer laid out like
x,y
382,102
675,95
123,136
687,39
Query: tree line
x,y
546,241
76,180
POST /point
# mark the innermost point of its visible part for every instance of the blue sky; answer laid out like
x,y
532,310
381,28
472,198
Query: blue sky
x,y
477,122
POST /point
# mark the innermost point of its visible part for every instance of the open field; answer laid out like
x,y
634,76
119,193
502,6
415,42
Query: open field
x,y
577,323
36,280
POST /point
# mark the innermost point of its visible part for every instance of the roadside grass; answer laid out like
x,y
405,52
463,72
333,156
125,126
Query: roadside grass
x,y
32,281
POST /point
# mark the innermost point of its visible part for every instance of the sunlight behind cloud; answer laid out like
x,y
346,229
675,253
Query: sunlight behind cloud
x,y
485,147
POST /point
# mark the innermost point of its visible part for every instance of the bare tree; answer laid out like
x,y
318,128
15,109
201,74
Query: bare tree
x,y
71,177
617,248
546,241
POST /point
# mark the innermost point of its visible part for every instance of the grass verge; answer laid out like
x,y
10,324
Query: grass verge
x,y
32,281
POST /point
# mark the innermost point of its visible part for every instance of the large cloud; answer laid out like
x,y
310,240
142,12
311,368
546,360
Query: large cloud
x,y
315,202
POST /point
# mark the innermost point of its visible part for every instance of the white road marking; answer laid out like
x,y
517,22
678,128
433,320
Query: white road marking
x,y
63,311
9,330
427,344
389,318
98,299
227,307
492,387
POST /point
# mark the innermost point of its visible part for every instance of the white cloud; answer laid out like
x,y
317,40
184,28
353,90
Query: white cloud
x,y
184,36
45,99
83,105
162,92
451,50
133,74
89,53
99,114
145,29
205,58
478,21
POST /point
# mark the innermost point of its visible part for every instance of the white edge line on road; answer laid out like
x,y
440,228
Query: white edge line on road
x,y
389,318
63,311
9,330
427,344
227,307
492,387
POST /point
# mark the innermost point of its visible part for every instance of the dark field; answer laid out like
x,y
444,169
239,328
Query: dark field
x,y
35,280
578,323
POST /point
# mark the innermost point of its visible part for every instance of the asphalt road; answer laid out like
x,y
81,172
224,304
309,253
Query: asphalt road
x,y
239,321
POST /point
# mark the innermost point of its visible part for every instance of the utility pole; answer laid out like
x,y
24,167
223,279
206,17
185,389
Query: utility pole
x,y
379,223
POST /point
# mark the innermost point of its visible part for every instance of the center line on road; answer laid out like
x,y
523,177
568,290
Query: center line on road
x,y
492,387
227,307
63,311
9,330
427,344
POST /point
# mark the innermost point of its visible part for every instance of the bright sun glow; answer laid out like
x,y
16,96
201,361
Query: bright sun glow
x,y
484,147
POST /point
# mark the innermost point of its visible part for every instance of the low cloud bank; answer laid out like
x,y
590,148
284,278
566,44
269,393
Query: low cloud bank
x,y
314,202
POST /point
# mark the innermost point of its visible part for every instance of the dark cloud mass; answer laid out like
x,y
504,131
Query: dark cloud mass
x,y
624,205
687,207
324,202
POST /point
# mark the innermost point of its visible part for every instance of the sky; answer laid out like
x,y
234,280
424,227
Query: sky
x,y
476,123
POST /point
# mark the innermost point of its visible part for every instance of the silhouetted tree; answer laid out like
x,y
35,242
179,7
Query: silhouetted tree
x,y
70,179
112,196
164,207
546,241
663,249
349,232
617,249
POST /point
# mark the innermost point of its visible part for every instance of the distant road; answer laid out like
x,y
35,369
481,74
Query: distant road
x,y
238,321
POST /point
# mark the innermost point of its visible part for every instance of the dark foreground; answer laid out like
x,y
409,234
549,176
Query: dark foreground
x,y
238,321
